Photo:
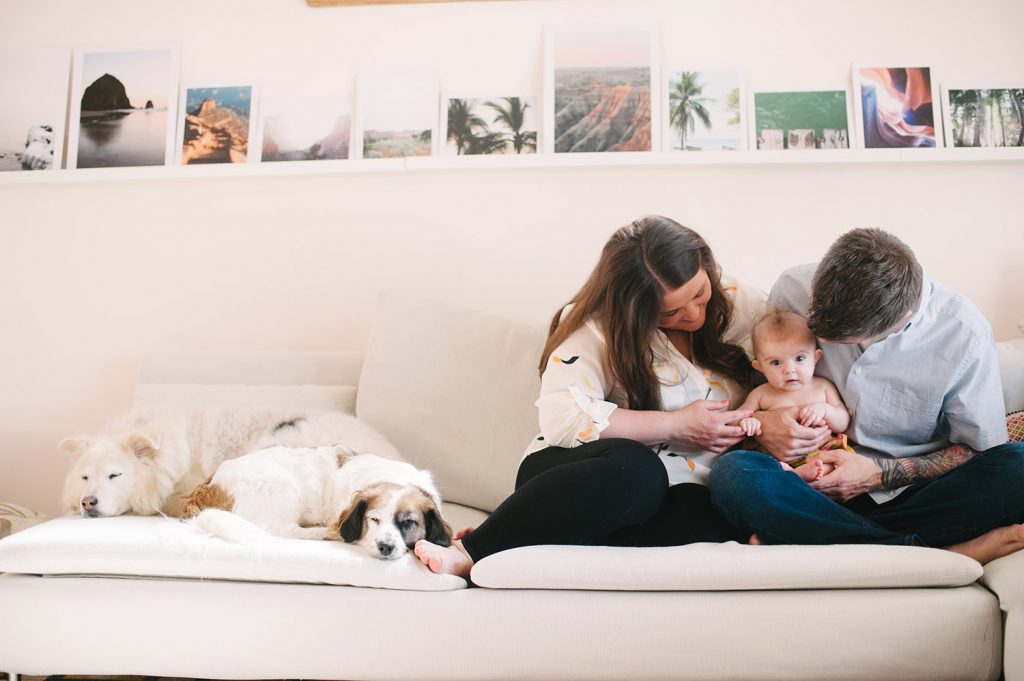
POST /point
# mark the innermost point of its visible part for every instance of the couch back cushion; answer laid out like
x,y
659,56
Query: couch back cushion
x,y
1011,370
454,390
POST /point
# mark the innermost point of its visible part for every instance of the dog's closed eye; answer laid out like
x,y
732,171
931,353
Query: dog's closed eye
x,y
113,475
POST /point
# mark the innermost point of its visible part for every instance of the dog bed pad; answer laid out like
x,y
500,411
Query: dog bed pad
x,y
150,546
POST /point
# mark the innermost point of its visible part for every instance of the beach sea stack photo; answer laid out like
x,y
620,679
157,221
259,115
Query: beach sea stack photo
x,y
105,94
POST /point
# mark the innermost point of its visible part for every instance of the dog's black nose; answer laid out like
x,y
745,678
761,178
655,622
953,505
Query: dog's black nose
x,y
89,503
384,548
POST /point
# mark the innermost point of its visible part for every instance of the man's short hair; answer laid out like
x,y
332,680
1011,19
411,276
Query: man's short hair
x,y
866,283
780,325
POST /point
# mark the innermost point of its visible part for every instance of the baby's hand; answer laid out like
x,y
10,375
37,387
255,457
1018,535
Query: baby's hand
x,y
751,426
813,414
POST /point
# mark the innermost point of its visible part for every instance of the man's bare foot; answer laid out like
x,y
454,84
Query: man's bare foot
x,y
812,470
996,543
444,560
754,540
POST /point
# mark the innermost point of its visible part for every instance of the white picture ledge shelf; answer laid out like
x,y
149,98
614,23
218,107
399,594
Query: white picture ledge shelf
x,y
530,161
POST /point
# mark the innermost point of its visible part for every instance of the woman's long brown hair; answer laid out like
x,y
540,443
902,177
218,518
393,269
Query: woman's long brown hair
x,y
639,264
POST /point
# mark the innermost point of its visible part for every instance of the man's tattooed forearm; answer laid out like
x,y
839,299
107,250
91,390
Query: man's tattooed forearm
x,y
911,469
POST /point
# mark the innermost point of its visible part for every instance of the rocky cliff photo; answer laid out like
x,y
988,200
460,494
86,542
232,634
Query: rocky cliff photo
x,y
602,110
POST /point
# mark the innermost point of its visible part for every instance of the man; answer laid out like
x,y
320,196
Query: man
x,y
915,364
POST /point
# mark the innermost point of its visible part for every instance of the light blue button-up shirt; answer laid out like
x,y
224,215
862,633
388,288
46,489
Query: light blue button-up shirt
x,y
934,382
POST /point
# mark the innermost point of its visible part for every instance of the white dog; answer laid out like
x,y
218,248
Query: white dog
x,y
384,505
150,461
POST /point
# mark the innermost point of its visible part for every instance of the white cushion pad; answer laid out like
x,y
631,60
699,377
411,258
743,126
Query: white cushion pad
x,y
162,547
724,567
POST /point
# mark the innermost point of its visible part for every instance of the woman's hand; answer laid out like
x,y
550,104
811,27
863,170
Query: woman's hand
x,y
783,437
701,424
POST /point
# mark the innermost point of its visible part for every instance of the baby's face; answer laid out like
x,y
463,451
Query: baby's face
x,y
787,363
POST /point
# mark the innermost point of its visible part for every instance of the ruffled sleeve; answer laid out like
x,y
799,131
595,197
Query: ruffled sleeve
x,y
573,405
749,303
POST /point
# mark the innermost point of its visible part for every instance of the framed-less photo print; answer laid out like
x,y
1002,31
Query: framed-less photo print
x,y
705,109
123,104
305,127
396,115
217,123
484,124
33,114
896,107
983,117
599,90
805,119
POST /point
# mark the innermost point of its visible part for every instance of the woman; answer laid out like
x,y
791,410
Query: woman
x,y
635,375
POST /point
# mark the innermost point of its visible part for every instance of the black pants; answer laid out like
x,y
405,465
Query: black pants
x,y
605,493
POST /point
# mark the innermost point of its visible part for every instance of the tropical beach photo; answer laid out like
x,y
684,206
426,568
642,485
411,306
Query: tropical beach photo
x,y
123,106
490,125
985,117
897,107
32,116
705,110
216,124
599,87
398,114
814,119
309,128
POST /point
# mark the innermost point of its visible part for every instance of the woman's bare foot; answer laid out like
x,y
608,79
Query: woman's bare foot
x,y
812,470
444,560
996,543
754,540
463,532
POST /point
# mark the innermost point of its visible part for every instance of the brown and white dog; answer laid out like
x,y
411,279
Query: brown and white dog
x,y
383,505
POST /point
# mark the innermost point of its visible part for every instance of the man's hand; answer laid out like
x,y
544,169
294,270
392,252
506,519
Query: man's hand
x,y
853,475
783,437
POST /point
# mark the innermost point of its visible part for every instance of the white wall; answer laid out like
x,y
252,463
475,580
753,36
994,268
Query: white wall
x,y
95,275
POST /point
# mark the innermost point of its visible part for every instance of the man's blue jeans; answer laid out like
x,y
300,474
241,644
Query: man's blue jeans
x,y
757,495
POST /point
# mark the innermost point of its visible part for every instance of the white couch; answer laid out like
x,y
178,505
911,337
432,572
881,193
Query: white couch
x,y
454,390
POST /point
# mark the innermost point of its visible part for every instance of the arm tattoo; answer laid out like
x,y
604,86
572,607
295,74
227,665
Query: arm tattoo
x,y
911,469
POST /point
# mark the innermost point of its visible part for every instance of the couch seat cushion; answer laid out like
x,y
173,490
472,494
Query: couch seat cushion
x,y
1005,578
724,567
162,547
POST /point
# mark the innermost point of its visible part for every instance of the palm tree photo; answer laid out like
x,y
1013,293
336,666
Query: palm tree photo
x,y
500,133
512,115
464,126
687,105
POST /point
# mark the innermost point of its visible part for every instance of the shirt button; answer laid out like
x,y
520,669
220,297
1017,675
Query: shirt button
x,y
857,371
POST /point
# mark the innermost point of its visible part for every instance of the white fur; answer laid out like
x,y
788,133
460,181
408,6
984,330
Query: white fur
x,y
296,492
149,461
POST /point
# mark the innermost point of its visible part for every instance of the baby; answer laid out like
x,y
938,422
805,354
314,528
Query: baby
x,y
786,352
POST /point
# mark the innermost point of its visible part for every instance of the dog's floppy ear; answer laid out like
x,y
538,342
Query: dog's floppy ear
x,y
73,445
351,520
143,446
438,531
